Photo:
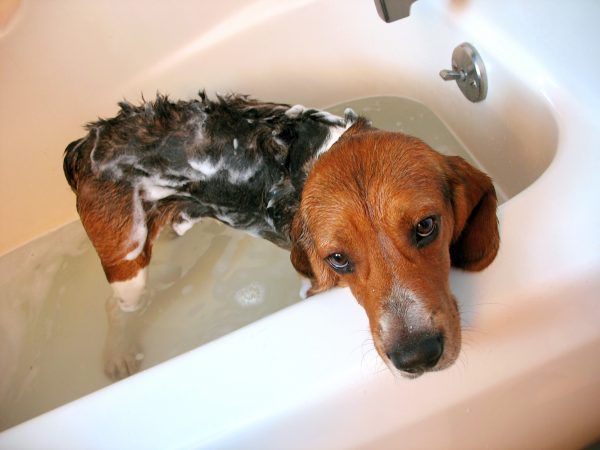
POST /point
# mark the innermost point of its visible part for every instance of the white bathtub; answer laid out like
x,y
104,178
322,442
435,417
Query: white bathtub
x,y
529,372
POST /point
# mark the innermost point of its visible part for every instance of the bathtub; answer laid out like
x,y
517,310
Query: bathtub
x,y
307,376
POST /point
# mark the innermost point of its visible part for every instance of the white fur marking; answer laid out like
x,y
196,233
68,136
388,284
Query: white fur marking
x,y
304,287
269,221
235,144
225,219
295,111
154,192
241,176
156,187
405,307
385,323
94,163
185,224
130,291
205,167
199,123
113,165
279,141
334,134
139,231
81,141
209,170
328,117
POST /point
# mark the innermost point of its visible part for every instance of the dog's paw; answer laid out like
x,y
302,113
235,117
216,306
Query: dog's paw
x,y
305,287
119,364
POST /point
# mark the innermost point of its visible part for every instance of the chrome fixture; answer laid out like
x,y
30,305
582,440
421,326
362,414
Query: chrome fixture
x,y
391,10
468,71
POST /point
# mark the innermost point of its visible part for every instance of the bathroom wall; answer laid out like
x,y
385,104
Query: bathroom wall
x,y
64,63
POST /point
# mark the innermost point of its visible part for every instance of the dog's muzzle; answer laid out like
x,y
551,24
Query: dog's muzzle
x,y
418,353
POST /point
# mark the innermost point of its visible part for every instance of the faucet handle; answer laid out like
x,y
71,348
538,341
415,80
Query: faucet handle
x,y
468,71
453,75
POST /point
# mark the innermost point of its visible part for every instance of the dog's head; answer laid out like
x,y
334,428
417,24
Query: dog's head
x,y
387,216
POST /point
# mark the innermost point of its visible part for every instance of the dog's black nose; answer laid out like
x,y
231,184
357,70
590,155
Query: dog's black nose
x,y
418,354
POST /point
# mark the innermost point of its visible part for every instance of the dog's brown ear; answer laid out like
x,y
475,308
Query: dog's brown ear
x,y
305,259
298,255
475,239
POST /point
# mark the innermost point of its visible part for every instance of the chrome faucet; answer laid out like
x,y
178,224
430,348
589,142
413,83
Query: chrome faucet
x,y
391,10
468,71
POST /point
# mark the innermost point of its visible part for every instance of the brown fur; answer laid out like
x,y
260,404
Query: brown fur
x,y
364,197
106,214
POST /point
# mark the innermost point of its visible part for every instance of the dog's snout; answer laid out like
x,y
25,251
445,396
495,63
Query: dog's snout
x,y
418,354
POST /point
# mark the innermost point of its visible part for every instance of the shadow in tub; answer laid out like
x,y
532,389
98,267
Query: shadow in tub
x,y
202,286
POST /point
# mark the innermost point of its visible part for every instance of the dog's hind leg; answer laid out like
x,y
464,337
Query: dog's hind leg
x,y
122,233
114,219
122,354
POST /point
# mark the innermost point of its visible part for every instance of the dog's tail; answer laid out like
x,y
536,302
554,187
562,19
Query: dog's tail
x,y
73,163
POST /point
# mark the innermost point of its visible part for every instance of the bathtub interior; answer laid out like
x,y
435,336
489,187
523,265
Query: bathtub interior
x,y
106,52
52,296
512,135
201,286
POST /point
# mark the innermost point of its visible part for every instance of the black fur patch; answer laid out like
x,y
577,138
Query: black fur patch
x,y
238,160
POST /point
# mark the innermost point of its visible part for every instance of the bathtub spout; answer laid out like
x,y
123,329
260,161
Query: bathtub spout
x,y
391,10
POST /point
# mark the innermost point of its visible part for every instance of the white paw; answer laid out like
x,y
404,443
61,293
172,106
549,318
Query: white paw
x,y
304,287
183,224
119,364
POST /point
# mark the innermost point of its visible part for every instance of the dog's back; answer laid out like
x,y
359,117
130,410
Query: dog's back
x,y
234,159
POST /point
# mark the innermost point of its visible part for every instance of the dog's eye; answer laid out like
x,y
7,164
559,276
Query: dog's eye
x,y
340,263
426,230
425,227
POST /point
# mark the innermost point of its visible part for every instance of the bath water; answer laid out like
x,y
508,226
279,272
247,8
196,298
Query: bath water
x,y
409,117
203,285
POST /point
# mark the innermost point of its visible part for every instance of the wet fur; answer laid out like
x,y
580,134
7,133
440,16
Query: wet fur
x,y
303,179
234,159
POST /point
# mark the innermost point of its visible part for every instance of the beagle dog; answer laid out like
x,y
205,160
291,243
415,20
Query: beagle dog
x,y
379,212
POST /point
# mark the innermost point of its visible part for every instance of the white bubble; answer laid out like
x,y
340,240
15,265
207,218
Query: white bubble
x,y
250,295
